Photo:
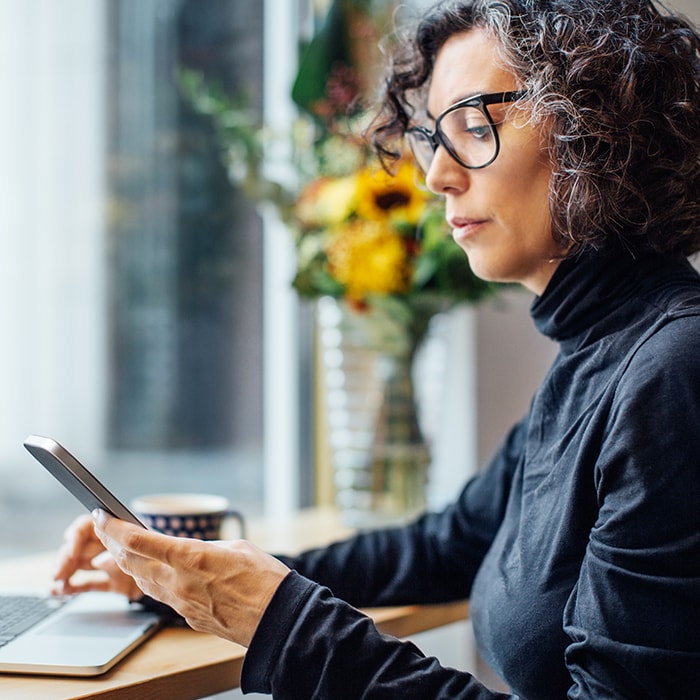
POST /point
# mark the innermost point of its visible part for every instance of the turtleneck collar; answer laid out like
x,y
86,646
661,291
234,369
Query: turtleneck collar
x,y
590,287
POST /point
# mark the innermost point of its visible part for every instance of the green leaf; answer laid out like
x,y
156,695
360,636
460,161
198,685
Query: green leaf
x,y
328,47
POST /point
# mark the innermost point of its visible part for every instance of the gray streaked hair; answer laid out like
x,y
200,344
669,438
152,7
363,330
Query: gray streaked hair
x,y
614,84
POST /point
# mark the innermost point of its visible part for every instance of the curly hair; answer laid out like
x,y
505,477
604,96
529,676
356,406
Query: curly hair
x,y
615,85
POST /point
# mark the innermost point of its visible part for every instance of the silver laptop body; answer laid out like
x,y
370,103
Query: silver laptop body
x,y
85,635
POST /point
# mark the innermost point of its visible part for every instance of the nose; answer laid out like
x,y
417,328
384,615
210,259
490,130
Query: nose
x,y
445,175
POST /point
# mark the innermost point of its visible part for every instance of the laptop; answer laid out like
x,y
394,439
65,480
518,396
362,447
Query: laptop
x,y
81,635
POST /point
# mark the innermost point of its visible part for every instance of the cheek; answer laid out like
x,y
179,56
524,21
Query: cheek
x,y
526,169
524,206
528,201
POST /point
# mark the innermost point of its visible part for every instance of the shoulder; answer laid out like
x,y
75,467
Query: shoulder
x,y
656,396
671,346
668,322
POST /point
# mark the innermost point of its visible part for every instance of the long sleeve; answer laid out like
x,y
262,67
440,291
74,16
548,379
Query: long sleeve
x,y
578,547
310,644
433,560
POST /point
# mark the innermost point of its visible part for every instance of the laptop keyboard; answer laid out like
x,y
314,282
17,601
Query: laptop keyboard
x,y
19,613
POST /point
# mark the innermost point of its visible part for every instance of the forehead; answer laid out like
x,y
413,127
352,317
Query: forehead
x,y
466,65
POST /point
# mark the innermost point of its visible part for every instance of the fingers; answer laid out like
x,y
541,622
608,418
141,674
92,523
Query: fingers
x,y
219,587
142,554
118,535
117,580
159,564
80,546
82,550
93,585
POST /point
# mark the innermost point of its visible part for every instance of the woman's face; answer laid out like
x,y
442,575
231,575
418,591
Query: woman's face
x,y
499,215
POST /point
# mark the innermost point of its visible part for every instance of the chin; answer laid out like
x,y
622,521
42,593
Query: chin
x,y
483,271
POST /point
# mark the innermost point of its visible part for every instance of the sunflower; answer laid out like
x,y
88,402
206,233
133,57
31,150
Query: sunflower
x,y
369,257
397,197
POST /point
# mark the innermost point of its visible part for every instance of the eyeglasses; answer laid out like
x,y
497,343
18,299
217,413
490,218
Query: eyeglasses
x,y
466,130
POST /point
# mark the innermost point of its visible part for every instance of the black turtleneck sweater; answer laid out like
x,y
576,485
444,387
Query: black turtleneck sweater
x,y
578,545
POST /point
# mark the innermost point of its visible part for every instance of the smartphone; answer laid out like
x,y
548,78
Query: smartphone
x,y
76,478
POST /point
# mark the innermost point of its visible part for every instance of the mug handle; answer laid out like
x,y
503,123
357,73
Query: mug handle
x,y
237,515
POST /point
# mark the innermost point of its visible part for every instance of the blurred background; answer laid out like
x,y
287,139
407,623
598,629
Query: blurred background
x,y
148,319
147,314
146,309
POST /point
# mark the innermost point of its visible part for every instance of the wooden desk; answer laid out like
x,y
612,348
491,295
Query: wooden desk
x,y
180,664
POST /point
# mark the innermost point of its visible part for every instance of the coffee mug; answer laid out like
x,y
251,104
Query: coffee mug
x,y
197,515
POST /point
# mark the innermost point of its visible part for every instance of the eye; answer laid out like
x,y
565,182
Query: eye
x,y
480,132
475,124
467,125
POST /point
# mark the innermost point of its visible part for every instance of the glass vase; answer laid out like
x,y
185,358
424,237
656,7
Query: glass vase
x,y
379,454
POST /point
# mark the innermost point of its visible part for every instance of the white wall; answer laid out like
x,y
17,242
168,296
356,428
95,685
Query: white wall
x,y
511,359
691,8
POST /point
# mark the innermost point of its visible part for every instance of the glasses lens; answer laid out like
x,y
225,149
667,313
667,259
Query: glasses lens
x,y
421,147
470,136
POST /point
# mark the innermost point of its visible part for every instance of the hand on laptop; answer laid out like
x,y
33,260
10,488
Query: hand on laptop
x,y
82,551
219,587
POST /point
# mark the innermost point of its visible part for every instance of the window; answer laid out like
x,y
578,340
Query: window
x,y
132,294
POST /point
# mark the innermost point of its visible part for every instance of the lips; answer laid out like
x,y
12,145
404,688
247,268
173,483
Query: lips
x,y
464,227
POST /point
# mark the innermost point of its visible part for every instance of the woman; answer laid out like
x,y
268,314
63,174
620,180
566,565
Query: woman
x,y
564,138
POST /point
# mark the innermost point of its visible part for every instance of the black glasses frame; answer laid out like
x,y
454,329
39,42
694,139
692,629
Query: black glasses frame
x,y
481,102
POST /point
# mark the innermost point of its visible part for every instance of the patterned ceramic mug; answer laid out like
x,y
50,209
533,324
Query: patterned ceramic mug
x,y
198,515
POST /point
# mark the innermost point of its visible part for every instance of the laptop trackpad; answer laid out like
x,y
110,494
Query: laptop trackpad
x,y
91,624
